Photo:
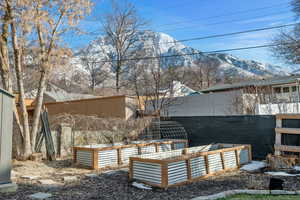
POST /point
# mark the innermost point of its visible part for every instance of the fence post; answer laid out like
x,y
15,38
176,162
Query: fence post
x,y
164,175
237,157
278,134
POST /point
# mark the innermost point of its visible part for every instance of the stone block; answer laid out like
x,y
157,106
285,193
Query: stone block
x,y
40,195
9,187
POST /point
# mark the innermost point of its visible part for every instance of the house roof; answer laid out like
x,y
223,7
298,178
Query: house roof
x,y
179,89
59,95
256,83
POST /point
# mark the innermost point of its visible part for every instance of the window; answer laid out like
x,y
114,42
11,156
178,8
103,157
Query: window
x,y
286,90
294,89
277,90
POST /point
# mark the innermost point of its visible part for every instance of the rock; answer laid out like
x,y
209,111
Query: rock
x,y
14,173
36,157
70,178
91,175
30,177
9,187
124,169
254,166
109,172
40,195
47,182
141,186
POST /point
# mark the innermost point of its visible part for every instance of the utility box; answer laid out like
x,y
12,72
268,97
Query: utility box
x,y
6,128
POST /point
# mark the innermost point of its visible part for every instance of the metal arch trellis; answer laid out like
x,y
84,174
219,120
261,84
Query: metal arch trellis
x,y
159,129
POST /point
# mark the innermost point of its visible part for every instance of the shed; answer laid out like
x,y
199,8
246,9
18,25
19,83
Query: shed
x,y
6,127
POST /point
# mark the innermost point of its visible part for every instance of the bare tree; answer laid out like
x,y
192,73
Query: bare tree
x,y
121,27
96,69
153,80
287,42
205,73
44,22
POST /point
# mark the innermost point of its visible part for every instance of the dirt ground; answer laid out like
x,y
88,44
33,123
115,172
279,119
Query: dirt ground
x,y
114,184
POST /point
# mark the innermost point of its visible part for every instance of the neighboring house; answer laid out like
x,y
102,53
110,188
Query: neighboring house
x,y
275,90
57,101
152,104
123,107
178,89
211,104
56,94
268,96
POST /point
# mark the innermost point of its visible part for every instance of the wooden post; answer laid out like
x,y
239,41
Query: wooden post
x,y
119,152
237,157
156,147
249,152
130,170
189,170
164,175
185,151
278,135
206,164
223,160
74,154
95,159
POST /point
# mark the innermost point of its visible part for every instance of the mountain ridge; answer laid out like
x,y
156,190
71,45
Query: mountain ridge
x,y
166,46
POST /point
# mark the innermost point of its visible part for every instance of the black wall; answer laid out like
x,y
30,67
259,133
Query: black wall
x,y
255,130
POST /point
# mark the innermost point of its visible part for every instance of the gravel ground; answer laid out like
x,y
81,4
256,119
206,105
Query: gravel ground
x,y
115,185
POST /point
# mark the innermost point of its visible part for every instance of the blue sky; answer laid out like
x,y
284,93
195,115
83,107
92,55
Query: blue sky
x,y
196,18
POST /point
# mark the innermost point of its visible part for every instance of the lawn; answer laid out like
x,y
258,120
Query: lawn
x,y
265,197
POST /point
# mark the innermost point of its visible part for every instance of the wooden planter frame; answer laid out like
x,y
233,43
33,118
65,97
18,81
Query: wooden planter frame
x,y
95,158
279,130
187,159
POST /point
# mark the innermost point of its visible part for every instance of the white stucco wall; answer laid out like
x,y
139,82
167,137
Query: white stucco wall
x,y
213,104
272,109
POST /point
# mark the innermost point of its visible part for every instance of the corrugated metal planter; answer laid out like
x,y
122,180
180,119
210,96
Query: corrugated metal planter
x,y
178,167
105,155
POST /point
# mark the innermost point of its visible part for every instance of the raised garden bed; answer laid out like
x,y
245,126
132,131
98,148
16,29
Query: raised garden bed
x,y
105,155
178,167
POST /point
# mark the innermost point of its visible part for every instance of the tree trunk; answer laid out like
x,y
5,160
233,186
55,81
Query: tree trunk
x,y
38,108
4,57
117,80
7,79
17,58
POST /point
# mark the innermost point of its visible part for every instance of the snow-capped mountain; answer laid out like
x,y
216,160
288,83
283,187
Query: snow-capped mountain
x,y
155,43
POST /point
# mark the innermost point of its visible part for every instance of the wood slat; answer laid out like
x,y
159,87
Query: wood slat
x,y
287,130
288,116
287,148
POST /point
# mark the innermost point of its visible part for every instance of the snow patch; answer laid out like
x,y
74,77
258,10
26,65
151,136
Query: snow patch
x,y
254,165
297,168
141,186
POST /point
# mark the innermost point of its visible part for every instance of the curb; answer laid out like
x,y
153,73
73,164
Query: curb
x,y
232,192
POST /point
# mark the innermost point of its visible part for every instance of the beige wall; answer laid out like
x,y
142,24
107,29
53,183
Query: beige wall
x,y
115,107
